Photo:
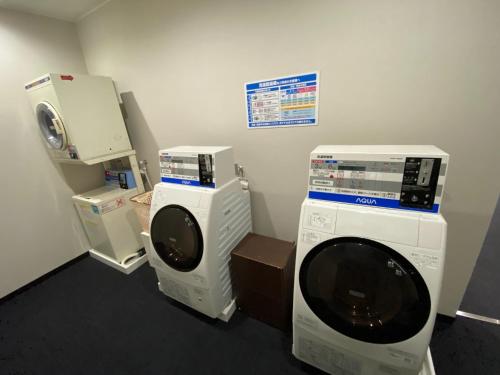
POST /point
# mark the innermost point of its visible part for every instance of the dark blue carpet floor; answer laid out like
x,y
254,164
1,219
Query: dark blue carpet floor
x,y
90,319
482,296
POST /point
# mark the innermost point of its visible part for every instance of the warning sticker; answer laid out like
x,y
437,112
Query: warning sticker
x,y
311,237
111,205
320,221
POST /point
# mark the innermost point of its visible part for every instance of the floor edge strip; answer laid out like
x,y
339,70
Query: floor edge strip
x,y
478,317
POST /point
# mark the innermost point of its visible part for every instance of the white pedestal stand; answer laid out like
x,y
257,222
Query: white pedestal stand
x,y
127,160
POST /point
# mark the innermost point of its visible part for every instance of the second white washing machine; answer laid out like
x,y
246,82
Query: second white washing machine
x,y
368,279
199,213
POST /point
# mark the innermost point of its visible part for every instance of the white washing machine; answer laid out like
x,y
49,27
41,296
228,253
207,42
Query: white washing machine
x,y
368,279
79,117
198,215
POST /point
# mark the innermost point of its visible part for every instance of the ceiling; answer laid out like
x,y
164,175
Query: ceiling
x,y
68,10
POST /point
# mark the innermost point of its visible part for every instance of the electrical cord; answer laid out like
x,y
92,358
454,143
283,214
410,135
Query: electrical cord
x,y
143,169
137,254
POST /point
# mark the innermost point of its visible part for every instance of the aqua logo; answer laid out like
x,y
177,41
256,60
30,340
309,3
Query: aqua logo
x,y
366,201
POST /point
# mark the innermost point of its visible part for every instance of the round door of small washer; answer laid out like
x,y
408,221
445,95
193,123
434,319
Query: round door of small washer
x,y
51,125
364,290
177,238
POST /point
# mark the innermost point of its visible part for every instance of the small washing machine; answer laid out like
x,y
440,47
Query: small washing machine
x,y
79,117
199,213
368,279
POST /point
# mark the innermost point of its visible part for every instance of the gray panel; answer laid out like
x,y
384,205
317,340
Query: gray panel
x,y
442,170
439,190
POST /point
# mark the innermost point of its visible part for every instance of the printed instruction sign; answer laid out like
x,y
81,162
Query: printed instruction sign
x,y
283,102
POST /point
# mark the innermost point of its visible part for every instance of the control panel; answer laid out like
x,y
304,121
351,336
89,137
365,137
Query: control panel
x,y
205,169
195,169
420,178
399,177
201,166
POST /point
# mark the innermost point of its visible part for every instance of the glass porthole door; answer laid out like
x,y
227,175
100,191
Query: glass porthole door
x,y
177,238
365,290
51,125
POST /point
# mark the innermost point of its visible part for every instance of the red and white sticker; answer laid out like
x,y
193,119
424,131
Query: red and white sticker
x,y
112,205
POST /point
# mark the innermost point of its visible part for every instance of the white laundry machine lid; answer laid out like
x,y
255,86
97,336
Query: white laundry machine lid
x,y
51,125
364,290
177,238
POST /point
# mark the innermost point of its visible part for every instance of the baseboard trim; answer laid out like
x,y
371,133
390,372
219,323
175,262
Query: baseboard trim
x,y
479,317
43,277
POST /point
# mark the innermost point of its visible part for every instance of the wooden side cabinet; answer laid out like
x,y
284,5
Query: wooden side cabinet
x,y
262,274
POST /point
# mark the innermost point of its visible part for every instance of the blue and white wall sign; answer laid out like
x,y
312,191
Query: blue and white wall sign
x,y
283,102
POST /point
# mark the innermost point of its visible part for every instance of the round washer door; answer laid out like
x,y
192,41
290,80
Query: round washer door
x,y
51,125
364,290
177,238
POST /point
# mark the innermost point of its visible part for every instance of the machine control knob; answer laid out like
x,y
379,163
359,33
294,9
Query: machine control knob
x,y
414,198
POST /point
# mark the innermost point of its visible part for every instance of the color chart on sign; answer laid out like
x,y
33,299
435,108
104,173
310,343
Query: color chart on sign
x,y
283,102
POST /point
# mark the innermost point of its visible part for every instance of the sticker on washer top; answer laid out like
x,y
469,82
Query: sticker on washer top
x,y
36,83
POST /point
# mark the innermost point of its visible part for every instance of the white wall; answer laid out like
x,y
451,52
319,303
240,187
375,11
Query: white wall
x,y
392,72
40,229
